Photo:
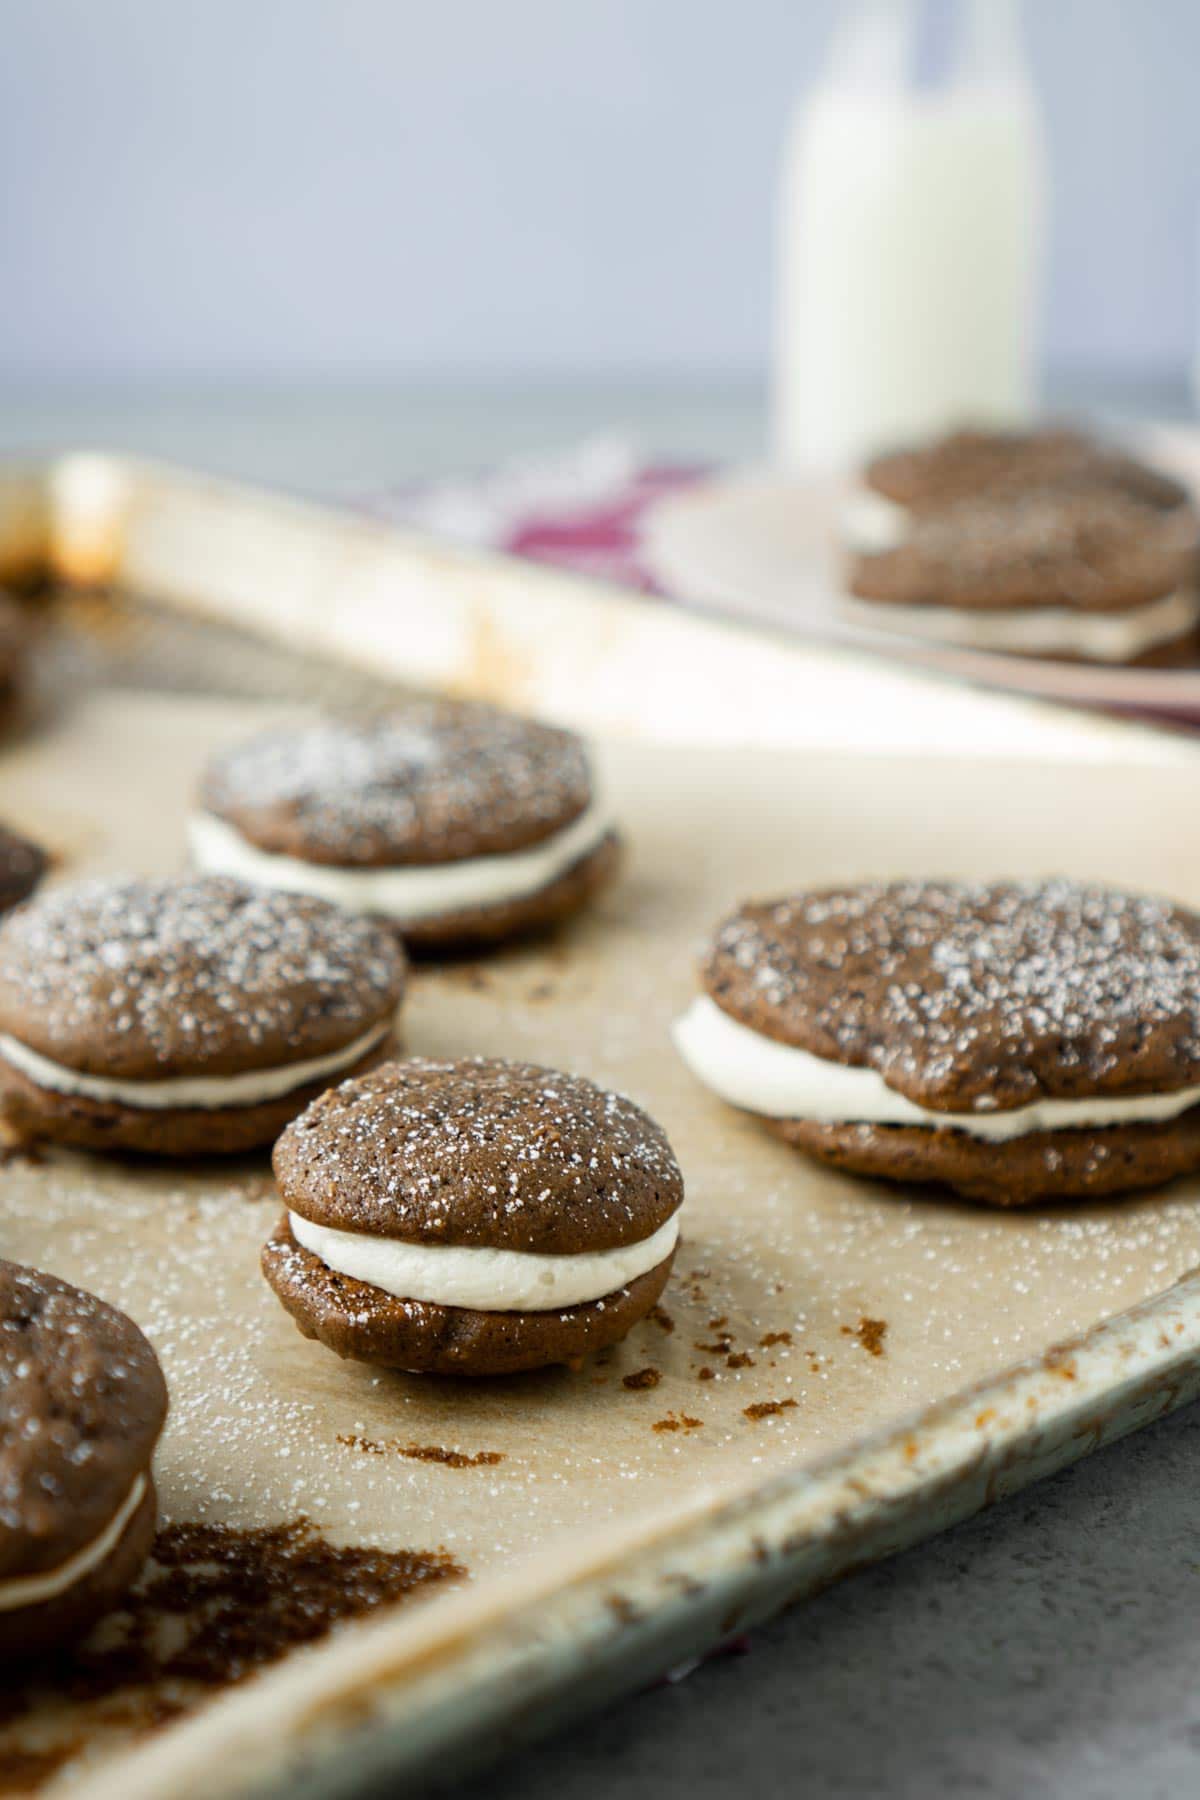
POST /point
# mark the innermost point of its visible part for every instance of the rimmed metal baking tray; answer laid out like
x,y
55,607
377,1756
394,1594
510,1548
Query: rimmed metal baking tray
x,y
873,1465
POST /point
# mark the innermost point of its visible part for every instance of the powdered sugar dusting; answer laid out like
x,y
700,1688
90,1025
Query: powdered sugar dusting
x,y
971,463
1088,550
159,977
431,781
481,1152
975,995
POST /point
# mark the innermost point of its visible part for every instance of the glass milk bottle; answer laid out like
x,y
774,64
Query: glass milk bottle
x,y
909,232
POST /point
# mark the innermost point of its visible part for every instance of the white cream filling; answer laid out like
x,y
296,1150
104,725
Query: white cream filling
x,y
872,523
203,1092
1037,630
409,892
32,1590
482,1279
781,1082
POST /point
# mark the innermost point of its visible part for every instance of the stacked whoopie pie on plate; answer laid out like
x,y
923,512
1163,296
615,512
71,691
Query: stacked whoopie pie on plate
x,y
1043,543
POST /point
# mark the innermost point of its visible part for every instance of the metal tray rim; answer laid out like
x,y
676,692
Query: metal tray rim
x,y
467,1685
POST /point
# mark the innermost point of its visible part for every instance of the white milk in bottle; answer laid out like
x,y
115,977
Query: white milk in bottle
x,y
909,237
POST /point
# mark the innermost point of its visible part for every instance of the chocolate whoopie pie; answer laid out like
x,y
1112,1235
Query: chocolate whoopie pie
x,y
82,1403
1090,576
455,822
472,1218
1013,1042
187,1015
22,865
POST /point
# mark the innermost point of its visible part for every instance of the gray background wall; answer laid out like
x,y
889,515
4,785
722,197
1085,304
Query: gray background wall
x,y
356,187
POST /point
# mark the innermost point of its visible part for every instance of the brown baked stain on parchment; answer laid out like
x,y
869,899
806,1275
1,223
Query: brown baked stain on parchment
x,y
215,1606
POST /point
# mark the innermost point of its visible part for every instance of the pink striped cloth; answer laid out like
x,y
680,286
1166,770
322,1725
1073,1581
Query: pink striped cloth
x,y
580,509
583,508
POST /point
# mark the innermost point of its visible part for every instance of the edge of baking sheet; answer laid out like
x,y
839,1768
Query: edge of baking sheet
x,y
430,1689
332,581
432,1692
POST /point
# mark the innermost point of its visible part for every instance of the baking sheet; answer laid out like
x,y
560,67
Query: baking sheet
x,y
879,1303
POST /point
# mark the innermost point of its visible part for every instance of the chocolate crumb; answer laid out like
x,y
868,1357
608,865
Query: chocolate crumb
x,y
677,1422
741,1359
432,1453
870,1334
642,1378
704,1373
766,1409
774,1337
661,1318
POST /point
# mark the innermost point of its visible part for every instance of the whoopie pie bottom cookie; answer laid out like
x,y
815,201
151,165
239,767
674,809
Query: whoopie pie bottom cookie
x,y
185,1016
82,1403
472,1218
1014,1042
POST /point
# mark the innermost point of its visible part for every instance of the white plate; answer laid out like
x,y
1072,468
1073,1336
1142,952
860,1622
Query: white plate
x,y
763,545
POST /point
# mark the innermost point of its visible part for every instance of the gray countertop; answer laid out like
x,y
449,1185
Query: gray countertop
x,y
1047,1647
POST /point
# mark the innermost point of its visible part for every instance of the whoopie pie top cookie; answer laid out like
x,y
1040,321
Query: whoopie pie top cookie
x,y
476,1217
967,464
185,1013
451,819
1013,1040
22,865
82,1403
994,465
1097,576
